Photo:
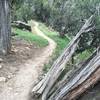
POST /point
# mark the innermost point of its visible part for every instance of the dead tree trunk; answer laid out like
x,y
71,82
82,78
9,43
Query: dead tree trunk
x,y
22,25
85,76
45,85
5,27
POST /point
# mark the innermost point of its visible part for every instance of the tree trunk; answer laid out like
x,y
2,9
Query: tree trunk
x,y
22,25
44,86
74,84
5,27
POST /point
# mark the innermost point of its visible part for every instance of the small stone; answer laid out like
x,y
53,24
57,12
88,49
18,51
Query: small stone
x,y
9,76
1,66
16,94
2,79
10,88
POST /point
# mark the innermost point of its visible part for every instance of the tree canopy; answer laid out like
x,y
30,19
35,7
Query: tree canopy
x,y
65,16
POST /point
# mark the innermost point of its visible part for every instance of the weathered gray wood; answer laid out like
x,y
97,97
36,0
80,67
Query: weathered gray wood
x,y
81,75
90,82
5,27
59,65
21,25
65,79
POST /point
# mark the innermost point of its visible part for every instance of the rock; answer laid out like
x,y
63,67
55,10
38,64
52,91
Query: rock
x,y
10,88
1,66
9,76
2,79
16,94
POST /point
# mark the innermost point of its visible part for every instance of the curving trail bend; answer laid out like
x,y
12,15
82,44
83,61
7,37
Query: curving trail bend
x,y
18,88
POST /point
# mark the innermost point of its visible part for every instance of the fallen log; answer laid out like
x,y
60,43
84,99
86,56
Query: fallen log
x,y
21,25
66,77
94,78
44,86
85,76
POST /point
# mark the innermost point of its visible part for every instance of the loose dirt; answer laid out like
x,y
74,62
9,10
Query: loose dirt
x,y
23,66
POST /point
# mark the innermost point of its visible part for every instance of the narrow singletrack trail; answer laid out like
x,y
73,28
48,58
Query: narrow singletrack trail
x,y
18,88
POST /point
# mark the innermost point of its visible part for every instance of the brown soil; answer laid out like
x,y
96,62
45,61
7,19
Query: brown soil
x,y
22,67
21,51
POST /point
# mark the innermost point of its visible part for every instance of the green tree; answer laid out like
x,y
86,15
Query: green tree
x,y
67,17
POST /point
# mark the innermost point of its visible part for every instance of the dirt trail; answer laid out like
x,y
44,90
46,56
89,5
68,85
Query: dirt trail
x,y
18,88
